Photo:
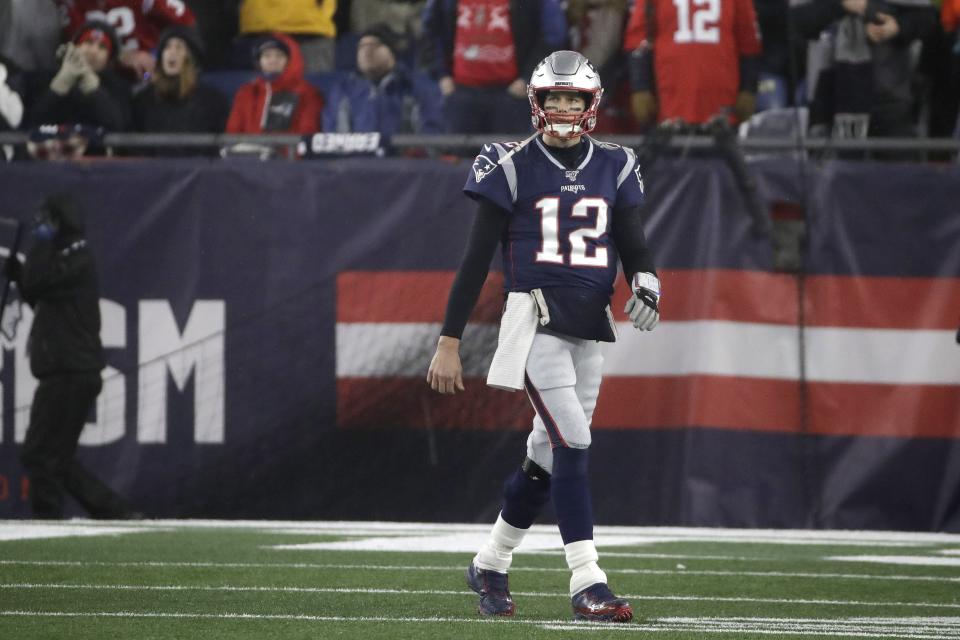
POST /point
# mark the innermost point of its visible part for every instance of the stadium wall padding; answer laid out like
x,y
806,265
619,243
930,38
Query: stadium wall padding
x,y
268,328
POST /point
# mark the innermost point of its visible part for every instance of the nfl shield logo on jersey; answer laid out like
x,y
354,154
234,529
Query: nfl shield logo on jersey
x,y
572,175
482,167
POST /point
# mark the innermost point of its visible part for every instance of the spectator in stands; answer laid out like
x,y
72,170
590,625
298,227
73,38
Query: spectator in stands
x,y
175,101
59,281
596,28
280,100
865,64
779,81
940,64
384,94
85,90
30,34
138,24
404,17
687,64
11,104
218,23
481,51
596,31
309,22
950,17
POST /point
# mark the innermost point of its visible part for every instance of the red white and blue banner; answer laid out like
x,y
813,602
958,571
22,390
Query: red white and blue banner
x,y
269,325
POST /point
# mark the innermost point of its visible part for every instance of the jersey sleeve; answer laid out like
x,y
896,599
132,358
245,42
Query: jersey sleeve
x,y
493,176
636,31
746,29
170,12
948,15
629,182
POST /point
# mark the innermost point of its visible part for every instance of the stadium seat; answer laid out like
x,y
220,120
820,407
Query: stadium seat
x,y
229,82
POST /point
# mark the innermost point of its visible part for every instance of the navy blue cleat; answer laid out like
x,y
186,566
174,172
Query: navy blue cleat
x,y
597,603
494,593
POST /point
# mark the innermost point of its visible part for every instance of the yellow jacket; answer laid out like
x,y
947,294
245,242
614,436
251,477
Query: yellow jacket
x,y
313,17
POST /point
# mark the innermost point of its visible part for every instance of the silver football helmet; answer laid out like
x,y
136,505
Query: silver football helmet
x,y
565,71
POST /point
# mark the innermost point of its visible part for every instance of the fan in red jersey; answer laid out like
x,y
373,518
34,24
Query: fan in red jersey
x,y
138,24
691,60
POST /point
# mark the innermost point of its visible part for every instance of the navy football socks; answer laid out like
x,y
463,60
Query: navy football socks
x,y
570,490
523,498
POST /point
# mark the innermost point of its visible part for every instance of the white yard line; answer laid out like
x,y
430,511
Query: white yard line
x,y
458,568
905,628
743,631
36,531
898,628
656,534
917,561
464,592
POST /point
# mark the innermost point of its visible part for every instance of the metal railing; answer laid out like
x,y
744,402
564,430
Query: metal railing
x,y
468,144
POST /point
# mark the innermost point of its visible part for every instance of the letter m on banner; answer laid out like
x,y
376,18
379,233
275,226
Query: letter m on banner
x,y
198,350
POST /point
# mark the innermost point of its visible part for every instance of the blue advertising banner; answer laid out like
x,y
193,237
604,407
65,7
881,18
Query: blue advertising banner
x,y
268,326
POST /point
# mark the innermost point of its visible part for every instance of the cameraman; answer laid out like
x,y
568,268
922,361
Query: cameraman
x,y
59,281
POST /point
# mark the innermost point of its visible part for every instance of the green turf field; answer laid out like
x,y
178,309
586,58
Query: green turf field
x,y
169,579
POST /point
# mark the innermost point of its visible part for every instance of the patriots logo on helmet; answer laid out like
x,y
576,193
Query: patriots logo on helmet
x,y
482,167
572,175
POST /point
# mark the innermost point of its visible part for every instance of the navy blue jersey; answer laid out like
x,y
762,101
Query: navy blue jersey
x,y
560,219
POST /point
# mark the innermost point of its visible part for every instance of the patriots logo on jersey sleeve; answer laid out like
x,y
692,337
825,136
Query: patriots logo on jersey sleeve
x,y
482,167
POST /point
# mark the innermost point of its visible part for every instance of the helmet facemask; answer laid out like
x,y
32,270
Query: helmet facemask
x,y
564,125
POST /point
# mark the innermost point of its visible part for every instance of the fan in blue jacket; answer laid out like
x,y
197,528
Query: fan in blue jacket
x,y
383,95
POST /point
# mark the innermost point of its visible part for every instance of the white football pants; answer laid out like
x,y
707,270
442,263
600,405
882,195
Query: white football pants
x,y
562,382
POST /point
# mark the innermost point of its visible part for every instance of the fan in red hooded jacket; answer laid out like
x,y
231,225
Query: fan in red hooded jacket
x,y
280,99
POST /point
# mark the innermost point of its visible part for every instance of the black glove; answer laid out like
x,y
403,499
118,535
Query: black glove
x,y
11,269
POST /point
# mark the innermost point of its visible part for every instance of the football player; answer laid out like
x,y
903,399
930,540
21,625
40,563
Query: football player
x,y
564,207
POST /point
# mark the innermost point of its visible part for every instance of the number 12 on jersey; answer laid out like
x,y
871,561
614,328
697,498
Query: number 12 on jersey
x,y
697,23
550,233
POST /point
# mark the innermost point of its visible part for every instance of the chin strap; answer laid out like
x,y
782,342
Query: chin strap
x,y
518,148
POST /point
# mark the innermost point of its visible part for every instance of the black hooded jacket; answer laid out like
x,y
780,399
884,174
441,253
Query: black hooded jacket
x,y
59,281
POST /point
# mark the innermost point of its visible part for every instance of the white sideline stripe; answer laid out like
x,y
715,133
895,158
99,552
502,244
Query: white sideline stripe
x,y
704,347
538,541
919,561
655,534
643,537
921,628
535,542
459,568
465,592
33,531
